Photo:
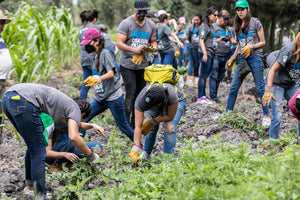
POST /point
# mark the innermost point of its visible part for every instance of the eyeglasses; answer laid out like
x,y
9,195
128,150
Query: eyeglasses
x,y
142,12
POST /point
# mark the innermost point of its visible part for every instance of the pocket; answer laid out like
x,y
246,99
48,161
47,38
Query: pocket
x,y
16,105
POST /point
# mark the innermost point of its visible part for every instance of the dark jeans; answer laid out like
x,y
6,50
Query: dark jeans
x,y
205,70
134,82
183,55
194,62
216,76
63,144
26,119
167,58
116,108
87,71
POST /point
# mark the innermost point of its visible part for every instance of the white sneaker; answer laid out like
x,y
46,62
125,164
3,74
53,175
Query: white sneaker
x,y
266,122
30,192
145,156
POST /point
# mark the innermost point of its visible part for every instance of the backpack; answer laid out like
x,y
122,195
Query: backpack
x,y
159,74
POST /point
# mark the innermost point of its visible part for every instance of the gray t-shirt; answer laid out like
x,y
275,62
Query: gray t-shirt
x,y
136,36
181,35
165,45
50,101
222,47
85,57
108,42
251,37
173,98
206,33
289,72
192,36
106,87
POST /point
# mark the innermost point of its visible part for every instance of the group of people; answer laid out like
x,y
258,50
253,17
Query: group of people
x,y
53,124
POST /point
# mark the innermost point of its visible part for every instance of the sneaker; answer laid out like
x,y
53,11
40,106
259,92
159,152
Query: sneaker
x,y
266,122
208,101
145,156
202,100
28,190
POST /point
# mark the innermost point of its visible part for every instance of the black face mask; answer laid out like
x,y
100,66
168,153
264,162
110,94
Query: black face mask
x,y
90,48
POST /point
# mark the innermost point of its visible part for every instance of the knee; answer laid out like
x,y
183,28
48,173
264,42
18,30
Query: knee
x,y
169,127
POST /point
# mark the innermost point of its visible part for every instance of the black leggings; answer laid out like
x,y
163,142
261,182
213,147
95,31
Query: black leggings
x,y
134,82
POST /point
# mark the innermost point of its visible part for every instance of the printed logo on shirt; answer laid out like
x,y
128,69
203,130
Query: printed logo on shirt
x,y
195,37
245,39
139,38
284,58
295,71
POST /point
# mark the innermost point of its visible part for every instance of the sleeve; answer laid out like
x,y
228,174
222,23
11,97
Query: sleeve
x,y
203,31
257,25
153,29
123,28
173,98
166,30
188,34
283,56
109,62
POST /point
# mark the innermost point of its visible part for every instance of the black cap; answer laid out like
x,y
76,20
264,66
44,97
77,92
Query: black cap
x,y
153,96
141,5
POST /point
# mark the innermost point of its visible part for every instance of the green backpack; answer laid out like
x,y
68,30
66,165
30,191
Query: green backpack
x,y
159,74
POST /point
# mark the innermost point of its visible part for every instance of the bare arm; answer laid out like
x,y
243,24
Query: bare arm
x,y
107,75
172,109
139,117
76,139
203,49
261,38
153,41
86,126
173,35
271,74
121,38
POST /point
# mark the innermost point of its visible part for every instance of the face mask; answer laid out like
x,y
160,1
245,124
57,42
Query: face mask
x,y
90,48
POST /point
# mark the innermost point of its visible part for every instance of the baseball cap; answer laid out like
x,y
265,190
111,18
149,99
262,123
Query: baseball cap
x,y
224,13
241,4
2,17
89,35
182,20
153,15
153,96
294,105
160,12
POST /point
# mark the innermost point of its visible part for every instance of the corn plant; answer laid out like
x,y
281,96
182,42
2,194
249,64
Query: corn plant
x,y
40,42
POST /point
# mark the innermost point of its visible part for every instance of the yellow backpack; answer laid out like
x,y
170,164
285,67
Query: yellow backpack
x,y
159,74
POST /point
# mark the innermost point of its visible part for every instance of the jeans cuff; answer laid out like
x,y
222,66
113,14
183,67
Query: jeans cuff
x,y
28,182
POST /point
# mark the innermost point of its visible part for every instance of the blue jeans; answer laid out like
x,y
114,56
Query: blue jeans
x,y
64,144
205,70
194,62
277,107
116,108
167,58
169,137
26,119
216,76
155,59
257,67
87,71
182,55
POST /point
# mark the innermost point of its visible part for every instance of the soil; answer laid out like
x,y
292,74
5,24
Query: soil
x,y
200,122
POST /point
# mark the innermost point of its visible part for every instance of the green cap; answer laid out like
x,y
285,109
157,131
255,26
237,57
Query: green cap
x,y
48,125
241,4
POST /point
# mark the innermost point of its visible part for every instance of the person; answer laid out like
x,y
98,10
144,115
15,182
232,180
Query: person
x,y
165,47
133,34
182,36
223,39
5,64
157,104
231,49
192,38
171,22
294,105
282,81
206,49
154,58
250,37
61,150
23,103
108,92
89,19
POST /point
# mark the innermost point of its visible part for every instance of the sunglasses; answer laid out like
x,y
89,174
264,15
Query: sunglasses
x,y
142,12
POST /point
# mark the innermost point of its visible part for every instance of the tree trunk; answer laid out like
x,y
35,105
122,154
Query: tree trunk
x,y
266,25
281,34
272,34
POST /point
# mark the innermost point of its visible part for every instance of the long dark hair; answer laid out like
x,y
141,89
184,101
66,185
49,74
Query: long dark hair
x,y
98,53
197,15
88,15
238,23
209,11
162,18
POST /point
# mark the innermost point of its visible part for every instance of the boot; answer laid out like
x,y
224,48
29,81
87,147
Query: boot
x,y
189,81
195,81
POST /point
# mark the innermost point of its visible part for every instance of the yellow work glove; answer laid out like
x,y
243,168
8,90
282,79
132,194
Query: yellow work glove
x,y
269,94
137,58
92,80
148,125
246,50
229,63
177,52
135,153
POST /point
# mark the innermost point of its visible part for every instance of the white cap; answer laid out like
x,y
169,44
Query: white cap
x,y
160,12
